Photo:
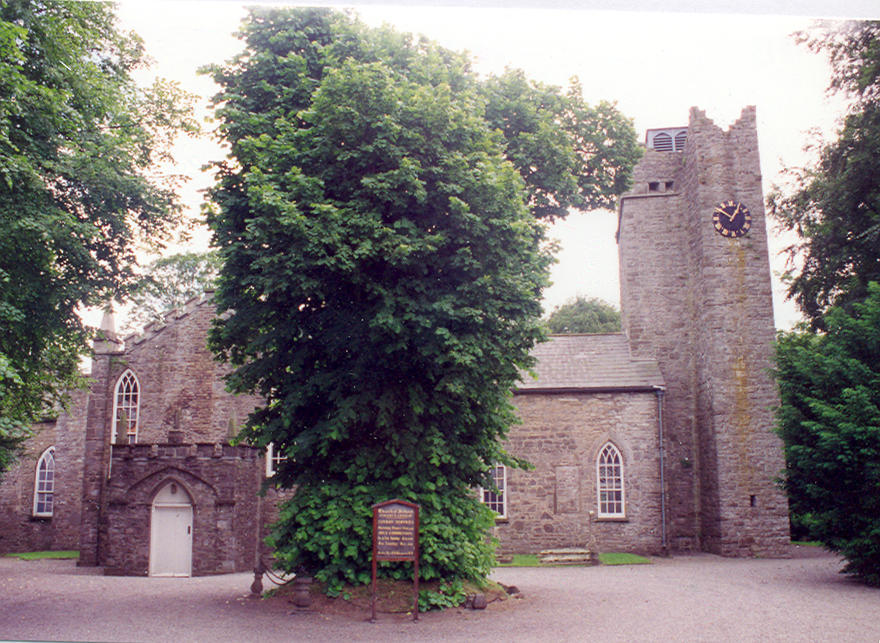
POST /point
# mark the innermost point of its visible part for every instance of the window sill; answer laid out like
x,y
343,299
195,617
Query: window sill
x,y
612,519
502,521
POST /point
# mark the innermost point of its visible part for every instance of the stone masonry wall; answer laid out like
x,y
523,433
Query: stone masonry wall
x,y
182,389
96,450
182,400
561,435
69,453
19,530
657,316
222,482
743,511
700,304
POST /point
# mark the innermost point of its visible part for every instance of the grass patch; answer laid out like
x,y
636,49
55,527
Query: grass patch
x,y
522,560
612,558
806,543
39,555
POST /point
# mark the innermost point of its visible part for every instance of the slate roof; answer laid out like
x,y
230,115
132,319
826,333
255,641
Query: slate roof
x,y
589,363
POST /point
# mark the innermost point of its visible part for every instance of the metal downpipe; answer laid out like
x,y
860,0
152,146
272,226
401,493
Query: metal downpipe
x,y
660,393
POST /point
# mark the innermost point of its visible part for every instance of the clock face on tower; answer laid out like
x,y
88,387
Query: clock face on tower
x,y
731,219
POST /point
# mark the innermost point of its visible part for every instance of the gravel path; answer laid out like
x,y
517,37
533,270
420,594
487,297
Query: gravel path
x,y
692,598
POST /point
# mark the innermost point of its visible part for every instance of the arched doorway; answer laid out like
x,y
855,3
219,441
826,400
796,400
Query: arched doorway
x,y
171,532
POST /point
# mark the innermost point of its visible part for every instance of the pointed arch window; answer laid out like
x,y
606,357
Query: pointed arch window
x,y
44,485
126,409
609,472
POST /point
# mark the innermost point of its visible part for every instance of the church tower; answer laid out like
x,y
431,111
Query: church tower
x,y
696,296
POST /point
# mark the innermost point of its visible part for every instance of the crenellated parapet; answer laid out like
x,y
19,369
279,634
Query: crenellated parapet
x,y
155,327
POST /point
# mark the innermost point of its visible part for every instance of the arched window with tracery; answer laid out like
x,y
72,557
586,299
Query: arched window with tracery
x,y
126,409
44,485
609,471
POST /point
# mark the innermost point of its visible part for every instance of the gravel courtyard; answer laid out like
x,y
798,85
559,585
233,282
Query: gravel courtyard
x,y
682,598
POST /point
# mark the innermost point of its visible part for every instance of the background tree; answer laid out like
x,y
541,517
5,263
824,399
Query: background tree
x,y
829,420
168,283
570,155
78,140
828,375
583,315
382,275
835,206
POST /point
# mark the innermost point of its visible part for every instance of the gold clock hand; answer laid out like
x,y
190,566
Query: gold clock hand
x,y
726,213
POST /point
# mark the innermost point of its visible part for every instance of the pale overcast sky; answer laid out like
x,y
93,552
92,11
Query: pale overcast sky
x,y
654,64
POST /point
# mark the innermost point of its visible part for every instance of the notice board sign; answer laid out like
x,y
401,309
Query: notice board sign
x,y
396,538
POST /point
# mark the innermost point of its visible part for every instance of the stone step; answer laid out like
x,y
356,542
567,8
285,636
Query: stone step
x,y
568,556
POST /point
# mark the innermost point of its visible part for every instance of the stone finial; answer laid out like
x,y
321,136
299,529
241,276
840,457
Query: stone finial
x,y
108,321
106,340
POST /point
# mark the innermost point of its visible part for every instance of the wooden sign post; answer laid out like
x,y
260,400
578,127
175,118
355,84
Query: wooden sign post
x,y
396,537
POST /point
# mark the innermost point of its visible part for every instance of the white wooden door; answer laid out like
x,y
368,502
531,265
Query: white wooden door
x,y
171,535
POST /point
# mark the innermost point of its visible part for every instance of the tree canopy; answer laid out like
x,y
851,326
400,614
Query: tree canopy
x,y
584,315
829,420
834,207
384,257
78,189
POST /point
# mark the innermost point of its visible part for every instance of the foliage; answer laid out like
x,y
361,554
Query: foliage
x,y
570,155
381,279
835,206
169,282
449,594
829,420
853,49
78,140
582,315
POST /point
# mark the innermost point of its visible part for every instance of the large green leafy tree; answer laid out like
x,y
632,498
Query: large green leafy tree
x,y
834,206
584,315
829,420
78,139
379,221
827,375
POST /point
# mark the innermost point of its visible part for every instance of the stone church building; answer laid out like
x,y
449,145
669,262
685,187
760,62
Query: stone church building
x,y
655,439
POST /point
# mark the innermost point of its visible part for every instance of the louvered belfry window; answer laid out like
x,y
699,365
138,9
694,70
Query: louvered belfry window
x,y
667,139
680,140
663,142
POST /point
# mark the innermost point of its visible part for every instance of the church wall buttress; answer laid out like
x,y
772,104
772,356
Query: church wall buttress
x,y
96,450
